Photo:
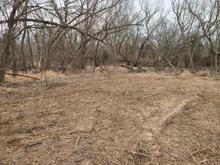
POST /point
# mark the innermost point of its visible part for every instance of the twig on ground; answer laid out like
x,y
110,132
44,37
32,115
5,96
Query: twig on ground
x,y
54,86
201,151
77,141
36,142
137,153
194,159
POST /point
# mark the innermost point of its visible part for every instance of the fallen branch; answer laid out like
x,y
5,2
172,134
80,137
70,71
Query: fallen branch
x,y
138,153
21,75
38,141
134,68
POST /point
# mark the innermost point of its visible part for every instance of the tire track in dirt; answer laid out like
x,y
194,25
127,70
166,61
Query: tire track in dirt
x,y
168,108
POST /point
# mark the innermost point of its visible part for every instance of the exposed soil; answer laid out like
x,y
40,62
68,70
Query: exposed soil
x,y
123,118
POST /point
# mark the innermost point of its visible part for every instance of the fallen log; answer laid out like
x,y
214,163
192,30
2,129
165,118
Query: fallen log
x,y
21,75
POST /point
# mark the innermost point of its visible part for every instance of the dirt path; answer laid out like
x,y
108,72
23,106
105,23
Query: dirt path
x,y
122,119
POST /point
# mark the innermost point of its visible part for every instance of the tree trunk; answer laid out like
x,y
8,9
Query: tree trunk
x,y
23,55
191,62
6,53
14,67
95,59
82,54
2,76
216,63
31,51
212,63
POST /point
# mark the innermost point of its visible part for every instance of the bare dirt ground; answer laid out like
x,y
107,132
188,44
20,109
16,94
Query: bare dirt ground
x,y
122,118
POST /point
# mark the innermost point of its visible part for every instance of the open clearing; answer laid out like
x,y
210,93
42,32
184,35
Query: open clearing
x,y
124,118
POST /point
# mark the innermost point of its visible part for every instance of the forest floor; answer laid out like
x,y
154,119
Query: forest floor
x,y
117,118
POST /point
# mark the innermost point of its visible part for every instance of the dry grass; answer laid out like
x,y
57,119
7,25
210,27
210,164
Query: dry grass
x,y
131,119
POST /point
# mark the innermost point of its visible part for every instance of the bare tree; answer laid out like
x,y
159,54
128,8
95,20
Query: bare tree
x,y
132,46
59,19
208,17
10,10
188,28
